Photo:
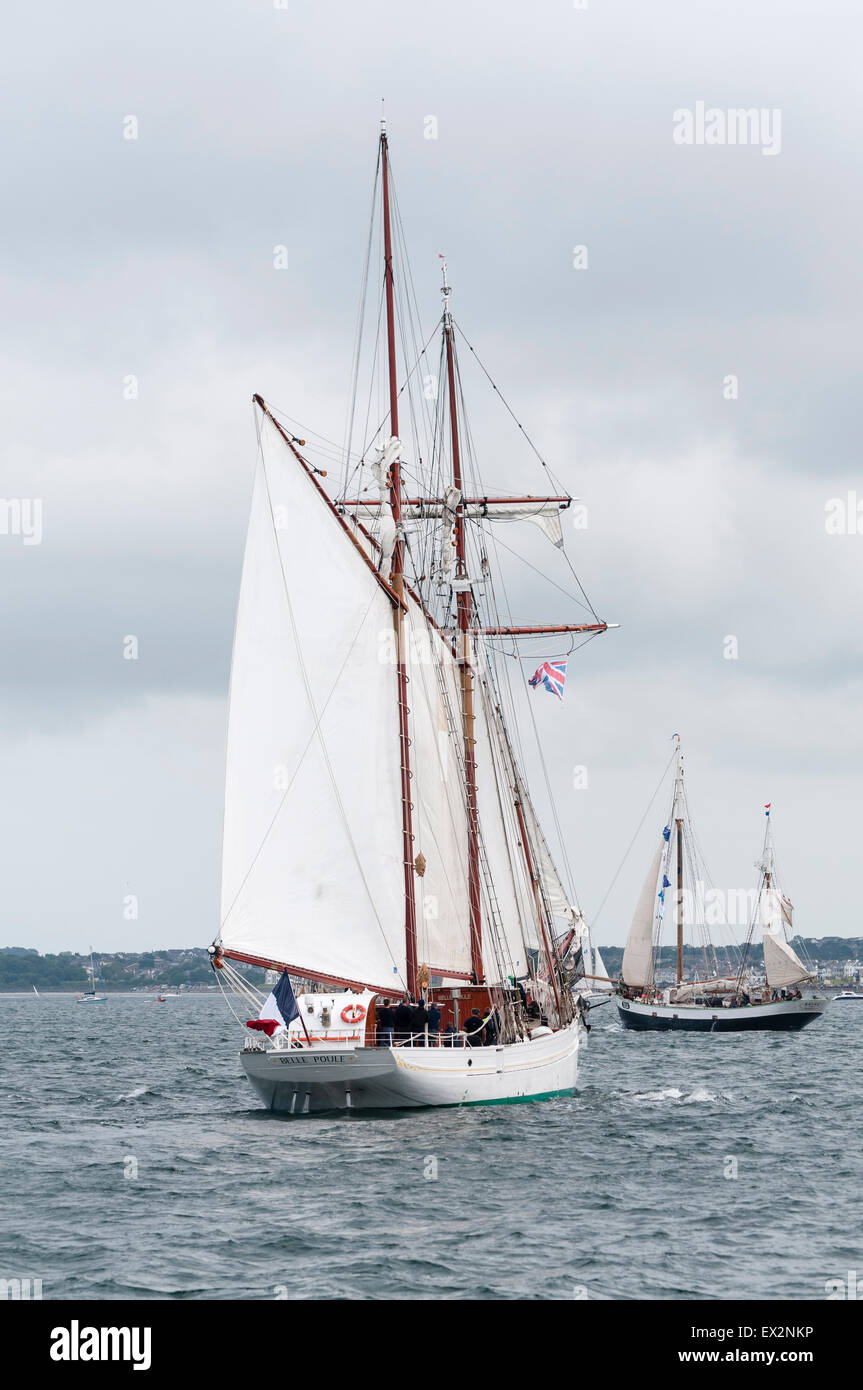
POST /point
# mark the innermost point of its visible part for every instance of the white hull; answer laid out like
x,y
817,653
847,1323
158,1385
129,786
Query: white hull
x,y
301,1081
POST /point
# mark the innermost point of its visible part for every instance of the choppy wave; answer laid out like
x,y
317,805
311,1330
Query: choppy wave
x,y
202,1194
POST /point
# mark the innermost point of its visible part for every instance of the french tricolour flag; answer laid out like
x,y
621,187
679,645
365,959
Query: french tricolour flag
x,y
277,1010
552,675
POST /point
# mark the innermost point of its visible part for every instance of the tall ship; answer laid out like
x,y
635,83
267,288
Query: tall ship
x,y
728,997
382,851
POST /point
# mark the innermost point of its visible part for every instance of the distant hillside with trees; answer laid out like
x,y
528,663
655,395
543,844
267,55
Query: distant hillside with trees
x,y
21,968
825,950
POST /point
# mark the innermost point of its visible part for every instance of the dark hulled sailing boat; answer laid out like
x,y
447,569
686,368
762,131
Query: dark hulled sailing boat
x,y
722,1001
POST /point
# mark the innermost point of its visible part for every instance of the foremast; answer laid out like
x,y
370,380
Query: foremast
x,y
397,582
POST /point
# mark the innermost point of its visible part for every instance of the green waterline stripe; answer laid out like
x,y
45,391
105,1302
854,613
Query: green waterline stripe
x,y
522,1100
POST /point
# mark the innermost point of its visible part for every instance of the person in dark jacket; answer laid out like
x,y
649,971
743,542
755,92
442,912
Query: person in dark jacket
x,y
421,1018
404,1021
475,1028
386,1023
434,1023
491,1030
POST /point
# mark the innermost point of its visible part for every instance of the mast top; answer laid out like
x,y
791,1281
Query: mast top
x,y
446,290
678,776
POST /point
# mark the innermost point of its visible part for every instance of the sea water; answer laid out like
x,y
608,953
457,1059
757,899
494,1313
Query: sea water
x,y
138,1163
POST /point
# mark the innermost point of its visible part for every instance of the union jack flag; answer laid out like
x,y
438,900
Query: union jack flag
x,y
551,674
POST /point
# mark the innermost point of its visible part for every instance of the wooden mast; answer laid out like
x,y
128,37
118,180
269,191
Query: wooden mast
x,y
465,611
397,582
679,824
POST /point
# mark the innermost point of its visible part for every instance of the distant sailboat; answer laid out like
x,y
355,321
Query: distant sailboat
x,y
718,1003
90,996
35,991
589,978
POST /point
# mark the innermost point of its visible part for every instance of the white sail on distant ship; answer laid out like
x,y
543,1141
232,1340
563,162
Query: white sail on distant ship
x,y
379,837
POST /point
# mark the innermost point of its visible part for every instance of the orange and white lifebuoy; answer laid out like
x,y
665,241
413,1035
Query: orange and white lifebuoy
x,y
353,1013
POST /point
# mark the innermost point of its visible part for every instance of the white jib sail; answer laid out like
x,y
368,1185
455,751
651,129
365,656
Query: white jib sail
x,y
602,985
638,955
312,848
782,965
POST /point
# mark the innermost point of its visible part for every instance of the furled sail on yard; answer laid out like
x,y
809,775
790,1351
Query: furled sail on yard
x,y
542,511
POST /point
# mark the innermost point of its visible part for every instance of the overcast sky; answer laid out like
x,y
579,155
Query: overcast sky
x,y
153,257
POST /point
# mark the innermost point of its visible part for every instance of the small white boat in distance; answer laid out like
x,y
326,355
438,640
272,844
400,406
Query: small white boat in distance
x,y
848,994
90,996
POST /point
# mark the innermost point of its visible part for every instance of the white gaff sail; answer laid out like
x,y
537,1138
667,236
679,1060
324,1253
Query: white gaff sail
x,y
517,930
440,821
638,955
782,965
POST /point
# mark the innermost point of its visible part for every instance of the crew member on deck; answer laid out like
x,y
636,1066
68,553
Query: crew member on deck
x,y
386,1023
421,1018
434,1023
491,1029
404,1021
475,1028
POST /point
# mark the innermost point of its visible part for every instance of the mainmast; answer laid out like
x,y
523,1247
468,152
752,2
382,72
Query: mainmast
x,y
465,613
397,582
678,807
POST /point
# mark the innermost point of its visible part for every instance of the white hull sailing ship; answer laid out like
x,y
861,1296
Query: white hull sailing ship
x,y
380,843
719,1003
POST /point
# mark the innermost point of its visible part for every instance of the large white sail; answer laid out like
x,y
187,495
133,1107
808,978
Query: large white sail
x,y
501,836
638,955
782,965
437,790
312,871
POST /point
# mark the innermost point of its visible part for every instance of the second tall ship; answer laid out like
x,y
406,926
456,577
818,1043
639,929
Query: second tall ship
x,y
724,1000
